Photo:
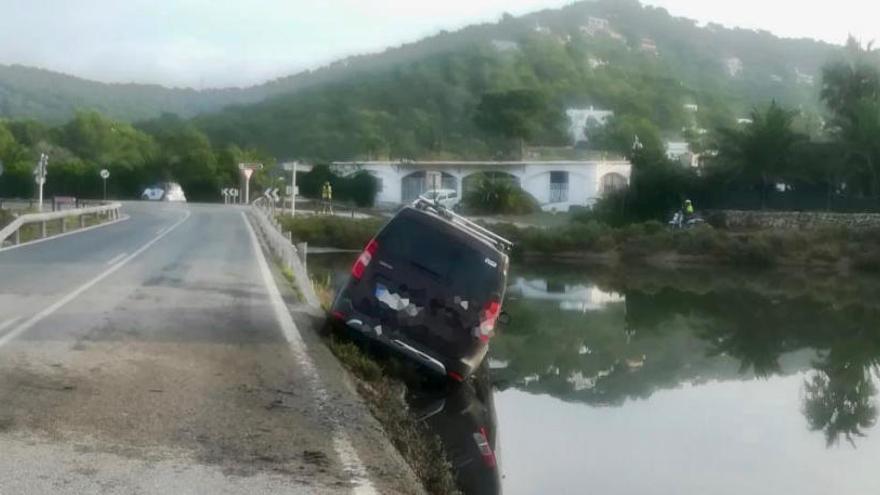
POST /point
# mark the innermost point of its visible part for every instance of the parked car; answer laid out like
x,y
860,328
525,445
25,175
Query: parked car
x,y
430,285
447,198
168,191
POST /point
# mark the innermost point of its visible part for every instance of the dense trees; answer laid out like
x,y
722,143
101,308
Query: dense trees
x,y
166,149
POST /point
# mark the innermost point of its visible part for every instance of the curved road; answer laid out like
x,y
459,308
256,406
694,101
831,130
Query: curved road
x,y
150,356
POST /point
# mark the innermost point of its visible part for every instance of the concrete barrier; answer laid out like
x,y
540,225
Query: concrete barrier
x,y
282,247
13,230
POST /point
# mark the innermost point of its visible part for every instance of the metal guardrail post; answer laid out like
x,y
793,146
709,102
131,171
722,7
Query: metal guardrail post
x,y
43,229
63,224
16,237
82,221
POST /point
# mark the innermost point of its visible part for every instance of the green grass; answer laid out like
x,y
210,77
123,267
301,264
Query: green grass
x,y
337,232
383,391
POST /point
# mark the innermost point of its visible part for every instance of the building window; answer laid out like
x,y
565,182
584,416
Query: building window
x,y
612,182
558,187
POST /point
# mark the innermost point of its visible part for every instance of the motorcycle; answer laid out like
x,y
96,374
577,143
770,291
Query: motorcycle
x,y
681,221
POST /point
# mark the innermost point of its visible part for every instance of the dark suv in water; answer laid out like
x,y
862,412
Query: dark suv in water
x,y
429,285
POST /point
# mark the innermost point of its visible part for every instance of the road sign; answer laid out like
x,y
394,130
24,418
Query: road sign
x,y
247,170
105,174
234,192
40,180
274,194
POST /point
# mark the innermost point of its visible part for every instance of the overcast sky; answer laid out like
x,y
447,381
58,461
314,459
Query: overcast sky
x,y
211,43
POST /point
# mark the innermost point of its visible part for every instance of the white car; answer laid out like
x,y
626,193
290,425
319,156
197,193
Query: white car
x,y
445,197
169,191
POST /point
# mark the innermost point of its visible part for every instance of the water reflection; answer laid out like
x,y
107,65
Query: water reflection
x,y
463,416
688,378
628,340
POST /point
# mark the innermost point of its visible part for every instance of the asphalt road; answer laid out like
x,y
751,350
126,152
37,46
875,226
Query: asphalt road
x,y
156,355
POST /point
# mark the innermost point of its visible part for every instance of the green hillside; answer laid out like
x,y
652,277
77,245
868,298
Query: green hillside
x,y
418,101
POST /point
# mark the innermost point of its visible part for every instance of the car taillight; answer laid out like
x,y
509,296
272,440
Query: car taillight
x,y
488,317
357,270
482,441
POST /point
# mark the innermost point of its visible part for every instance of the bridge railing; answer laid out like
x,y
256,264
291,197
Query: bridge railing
x,y
13,232
282,247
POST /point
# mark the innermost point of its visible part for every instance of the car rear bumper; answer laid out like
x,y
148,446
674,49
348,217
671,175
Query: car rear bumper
x,y
456,368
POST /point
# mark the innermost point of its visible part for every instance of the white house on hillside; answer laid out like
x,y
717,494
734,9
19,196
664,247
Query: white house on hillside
x,y
557,185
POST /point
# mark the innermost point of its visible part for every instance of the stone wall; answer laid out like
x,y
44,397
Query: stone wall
x,y
791,220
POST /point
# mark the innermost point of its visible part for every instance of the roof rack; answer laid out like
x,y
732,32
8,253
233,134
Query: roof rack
x,y
473,227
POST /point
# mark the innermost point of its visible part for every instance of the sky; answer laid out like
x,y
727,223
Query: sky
x,y
220,43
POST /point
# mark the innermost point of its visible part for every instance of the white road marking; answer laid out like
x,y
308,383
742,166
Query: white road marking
x,y
159,232
8,323
341,443
116,259
15,332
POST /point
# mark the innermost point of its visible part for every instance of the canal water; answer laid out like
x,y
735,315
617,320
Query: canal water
x,y
672,382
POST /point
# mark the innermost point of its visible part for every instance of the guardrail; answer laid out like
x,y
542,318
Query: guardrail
x,y
12,231
282,246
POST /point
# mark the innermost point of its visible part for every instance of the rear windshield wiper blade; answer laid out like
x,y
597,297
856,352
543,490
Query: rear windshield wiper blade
x,y
424,268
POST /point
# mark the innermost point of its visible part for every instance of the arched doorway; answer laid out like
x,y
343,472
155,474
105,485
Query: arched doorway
x,y
612,182
417,183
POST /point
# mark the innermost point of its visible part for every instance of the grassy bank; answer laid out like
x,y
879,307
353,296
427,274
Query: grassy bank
x,y
337,232
648,243
5,218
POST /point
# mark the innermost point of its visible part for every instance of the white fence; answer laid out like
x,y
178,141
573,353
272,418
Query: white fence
x,y
12,231
282,247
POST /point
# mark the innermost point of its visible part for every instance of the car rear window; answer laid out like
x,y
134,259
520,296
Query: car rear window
x,y
432,249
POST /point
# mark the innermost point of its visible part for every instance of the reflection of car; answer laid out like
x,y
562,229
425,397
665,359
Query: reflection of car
x,y
169,191
448,198
430,285
464,419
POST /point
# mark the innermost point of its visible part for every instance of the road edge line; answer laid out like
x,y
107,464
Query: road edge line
x,y
30,322
341,442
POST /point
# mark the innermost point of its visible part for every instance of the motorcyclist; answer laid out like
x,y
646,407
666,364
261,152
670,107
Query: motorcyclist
x,y
688,209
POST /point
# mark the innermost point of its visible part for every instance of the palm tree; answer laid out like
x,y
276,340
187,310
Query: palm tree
x,y
762,150
851,90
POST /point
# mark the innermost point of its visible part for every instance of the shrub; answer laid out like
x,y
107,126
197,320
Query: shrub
x,y
360,188
701,240
823,253
750,251
868,261
494,196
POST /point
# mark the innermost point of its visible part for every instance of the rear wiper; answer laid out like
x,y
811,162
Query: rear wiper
x,y
424,268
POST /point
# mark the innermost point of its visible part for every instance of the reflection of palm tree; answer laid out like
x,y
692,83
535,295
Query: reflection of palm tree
x,y
838,399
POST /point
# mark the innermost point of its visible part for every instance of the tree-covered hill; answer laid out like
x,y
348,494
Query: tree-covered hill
x,y
419,100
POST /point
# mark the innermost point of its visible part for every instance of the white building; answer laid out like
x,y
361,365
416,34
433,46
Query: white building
x,y
582,119
680,151
734,66
556,185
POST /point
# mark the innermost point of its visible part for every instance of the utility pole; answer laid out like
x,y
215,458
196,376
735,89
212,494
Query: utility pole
x,y
291,167
40,172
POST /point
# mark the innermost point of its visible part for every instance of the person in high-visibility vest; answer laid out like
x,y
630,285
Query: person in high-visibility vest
x,y
688,209
327,198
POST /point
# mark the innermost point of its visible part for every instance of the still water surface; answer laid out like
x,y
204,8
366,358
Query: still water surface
x,y
677,383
